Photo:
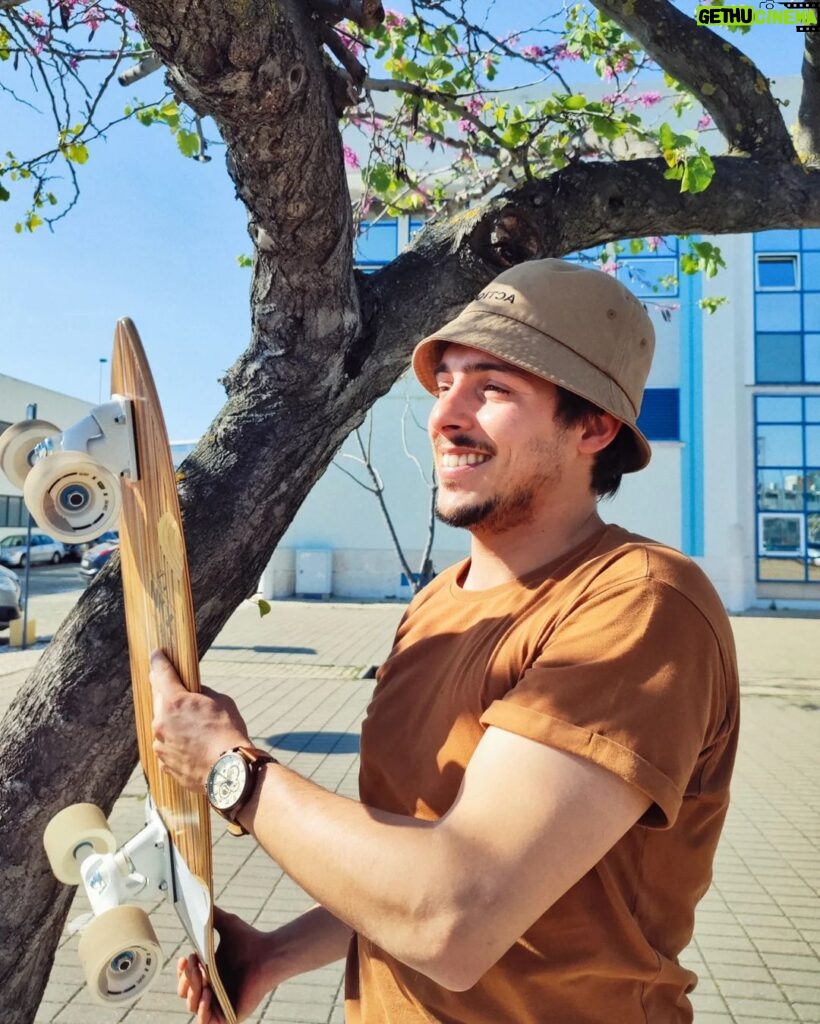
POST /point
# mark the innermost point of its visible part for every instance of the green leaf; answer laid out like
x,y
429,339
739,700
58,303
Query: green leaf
x,y
380,177
188,142
576,102
699,173
76,152
264,607
712,303
4,195
244,260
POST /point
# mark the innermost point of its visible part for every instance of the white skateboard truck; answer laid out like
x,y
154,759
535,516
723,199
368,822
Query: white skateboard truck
x,y
70,480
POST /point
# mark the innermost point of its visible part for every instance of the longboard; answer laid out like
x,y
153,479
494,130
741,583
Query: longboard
x,y
117,464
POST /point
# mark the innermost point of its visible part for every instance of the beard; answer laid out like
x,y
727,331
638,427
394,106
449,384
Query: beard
x,y
505,511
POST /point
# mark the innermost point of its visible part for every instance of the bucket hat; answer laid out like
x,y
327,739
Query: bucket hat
x,y
577,327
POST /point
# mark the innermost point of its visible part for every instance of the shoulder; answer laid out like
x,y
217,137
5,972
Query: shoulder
x,y
625,561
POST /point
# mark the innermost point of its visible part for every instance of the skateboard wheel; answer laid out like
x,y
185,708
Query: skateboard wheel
x,y
17,443
72,496
120,954
75,826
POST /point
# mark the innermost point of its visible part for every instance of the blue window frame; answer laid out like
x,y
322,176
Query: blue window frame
x,y
787,473
778,271
377,244
787,307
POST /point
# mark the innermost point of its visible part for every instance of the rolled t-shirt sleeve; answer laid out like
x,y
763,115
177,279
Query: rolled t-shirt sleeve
x,y
632,679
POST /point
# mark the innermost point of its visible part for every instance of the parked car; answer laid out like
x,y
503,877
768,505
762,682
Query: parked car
x,y
9,597
43,549
96,557
75,552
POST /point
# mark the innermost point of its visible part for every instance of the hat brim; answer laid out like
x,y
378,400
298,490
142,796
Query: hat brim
x,y
530,349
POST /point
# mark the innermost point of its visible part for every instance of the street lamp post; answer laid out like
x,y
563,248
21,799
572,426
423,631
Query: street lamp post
x,y
99,394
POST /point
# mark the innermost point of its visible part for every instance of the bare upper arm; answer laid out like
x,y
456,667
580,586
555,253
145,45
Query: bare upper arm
x,y
529,821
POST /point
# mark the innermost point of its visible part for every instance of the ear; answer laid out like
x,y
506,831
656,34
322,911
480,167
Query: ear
x,y
599,430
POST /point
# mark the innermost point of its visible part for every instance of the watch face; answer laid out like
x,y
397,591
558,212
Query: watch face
x,y
226,781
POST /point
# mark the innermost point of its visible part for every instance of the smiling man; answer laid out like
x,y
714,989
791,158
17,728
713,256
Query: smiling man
x,y
546,758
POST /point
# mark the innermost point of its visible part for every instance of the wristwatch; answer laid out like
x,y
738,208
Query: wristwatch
x,y
231,782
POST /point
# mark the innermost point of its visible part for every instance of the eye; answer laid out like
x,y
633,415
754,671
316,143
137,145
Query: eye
x,y
492,385
442,386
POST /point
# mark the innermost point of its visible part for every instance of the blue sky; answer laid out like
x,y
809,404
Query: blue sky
x,y
155,237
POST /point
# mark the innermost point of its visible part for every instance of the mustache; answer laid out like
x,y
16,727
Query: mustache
x,y
463,441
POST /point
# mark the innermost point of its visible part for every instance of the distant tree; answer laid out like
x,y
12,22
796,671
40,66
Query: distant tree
x,y
276,82
374,485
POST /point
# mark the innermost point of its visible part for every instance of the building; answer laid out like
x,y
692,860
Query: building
x,y
732,410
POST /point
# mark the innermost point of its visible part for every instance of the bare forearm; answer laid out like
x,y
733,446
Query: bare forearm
x,y
387,876
315,939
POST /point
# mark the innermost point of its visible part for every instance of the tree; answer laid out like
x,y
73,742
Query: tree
x,y
275,78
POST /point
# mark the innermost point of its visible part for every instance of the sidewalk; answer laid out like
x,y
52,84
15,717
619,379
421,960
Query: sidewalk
x,y
296,674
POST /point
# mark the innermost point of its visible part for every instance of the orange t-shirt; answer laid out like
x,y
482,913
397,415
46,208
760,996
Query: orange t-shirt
x,y
620,652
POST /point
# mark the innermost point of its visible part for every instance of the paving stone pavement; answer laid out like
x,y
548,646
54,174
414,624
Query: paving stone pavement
x,y
296,674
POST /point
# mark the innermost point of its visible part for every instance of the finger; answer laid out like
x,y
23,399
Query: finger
x,y
163,676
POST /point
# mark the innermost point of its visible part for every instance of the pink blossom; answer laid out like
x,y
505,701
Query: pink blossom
x,y
609,74
560,52
649,99
704,123
393,19
533,52
94,17
619,99
73,63
352,44
609,267
488,63
654,242
624,64
350,158
512,40
466,126
475,105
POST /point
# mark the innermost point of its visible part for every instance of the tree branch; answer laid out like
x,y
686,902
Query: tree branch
x,y
721,78
147,66
367,13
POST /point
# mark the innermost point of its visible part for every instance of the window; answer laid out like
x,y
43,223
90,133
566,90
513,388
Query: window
x,y
778,271
779,358
787,469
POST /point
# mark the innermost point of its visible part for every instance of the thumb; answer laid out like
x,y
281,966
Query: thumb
x,y
163,676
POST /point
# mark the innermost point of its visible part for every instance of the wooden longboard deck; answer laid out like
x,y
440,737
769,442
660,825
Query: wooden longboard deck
x,y
159,611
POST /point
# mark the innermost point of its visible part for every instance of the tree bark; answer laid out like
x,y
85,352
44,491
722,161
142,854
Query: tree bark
x,y
326,342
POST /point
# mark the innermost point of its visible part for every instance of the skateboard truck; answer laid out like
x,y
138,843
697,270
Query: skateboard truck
x,y
70,480
119,949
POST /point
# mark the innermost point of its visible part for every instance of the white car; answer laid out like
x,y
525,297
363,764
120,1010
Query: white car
x,y
43,549
9,597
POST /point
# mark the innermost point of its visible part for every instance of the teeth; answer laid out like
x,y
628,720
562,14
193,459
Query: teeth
x,y
454,461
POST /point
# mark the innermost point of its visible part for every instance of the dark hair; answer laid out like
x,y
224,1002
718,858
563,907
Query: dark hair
x,y
611,462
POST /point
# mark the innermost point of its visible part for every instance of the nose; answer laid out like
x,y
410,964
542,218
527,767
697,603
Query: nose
x,y
454,410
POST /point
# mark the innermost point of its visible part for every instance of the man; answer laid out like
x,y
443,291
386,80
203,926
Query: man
x,y
546,758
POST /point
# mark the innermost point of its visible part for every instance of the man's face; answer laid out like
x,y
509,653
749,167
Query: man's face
x,y
500,454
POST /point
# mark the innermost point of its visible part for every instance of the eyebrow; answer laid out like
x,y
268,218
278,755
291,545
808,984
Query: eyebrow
x,y
485,366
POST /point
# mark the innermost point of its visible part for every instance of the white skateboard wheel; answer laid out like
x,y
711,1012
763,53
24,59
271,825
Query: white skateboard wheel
x,y
17,443
72,496
120,954
68,831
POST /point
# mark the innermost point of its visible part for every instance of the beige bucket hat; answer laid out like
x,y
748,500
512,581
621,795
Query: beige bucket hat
x,y
577,327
